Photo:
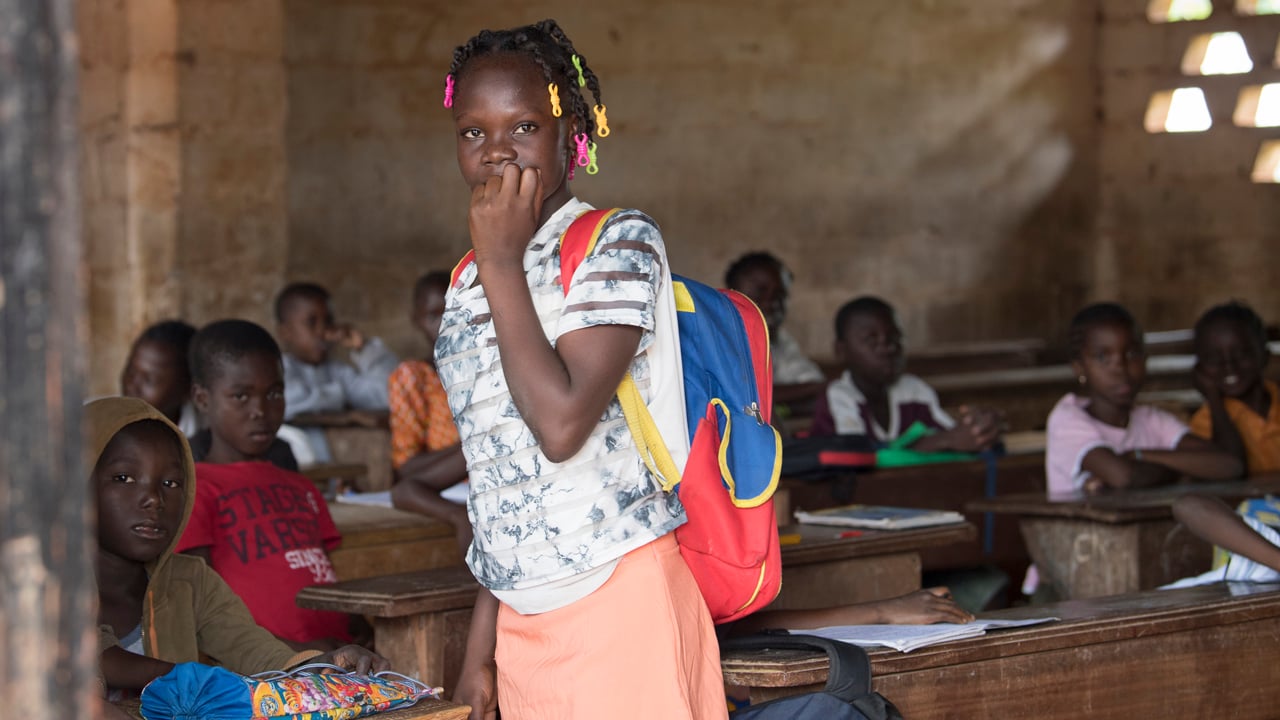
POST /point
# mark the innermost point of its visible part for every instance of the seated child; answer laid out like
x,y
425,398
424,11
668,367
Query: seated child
x,y
425,451
314,382
1241,414
157,371
1097,437
874,397
1253,547
265,530
767,282
156,607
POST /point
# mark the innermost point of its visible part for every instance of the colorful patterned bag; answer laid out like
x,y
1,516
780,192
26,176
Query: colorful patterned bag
x,y
193,690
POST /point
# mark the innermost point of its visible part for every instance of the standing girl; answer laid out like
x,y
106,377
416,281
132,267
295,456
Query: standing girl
x,y
587,610
1099,438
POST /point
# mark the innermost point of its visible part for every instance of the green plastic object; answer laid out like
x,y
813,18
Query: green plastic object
x,y
899,454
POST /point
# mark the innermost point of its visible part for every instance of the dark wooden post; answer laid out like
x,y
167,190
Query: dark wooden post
x,y
47,597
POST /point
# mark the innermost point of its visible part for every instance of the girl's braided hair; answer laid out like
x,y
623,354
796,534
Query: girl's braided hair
x,y
551,49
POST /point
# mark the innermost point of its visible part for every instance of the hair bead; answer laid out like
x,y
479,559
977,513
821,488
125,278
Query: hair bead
x,y
602,122
555,99
448,90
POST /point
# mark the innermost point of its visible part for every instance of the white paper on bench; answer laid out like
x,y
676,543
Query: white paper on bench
x,y
456,494
906,638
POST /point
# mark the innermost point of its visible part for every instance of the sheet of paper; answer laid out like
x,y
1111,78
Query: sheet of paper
x,y
910,637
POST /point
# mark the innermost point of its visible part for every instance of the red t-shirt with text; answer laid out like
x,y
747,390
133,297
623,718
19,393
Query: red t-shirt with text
x,y
268,531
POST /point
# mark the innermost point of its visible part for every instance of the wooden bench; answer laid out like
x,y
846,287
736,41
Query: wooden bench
x,y
420,620
1114,543
1200,652
384,541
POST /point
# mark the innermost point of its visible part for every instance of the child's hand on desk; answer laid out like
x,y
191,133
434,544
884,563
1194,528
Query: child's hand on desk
x,y
924,607
504,215
354,657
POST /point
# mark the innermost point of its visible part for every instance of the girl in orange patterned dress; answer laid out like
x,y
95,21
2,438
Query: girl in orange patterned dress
x,y
425,453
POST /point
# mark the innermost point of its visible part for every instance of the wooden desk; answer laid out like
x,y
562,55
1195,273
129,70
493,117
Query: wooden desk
x,y
1116,543
1200,652
384,541
947,486
824,569
420,619
357,437
426,709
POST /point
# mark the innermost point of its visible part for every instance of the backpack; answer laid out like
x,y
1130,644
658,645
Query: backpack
x,y
846,696
730,541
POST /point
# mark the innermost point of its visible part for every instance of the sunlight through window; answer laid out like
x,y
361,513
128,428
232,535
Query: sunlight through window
x,y
1177,111
1221,53
1258,7
1266,169
1165,11
1258,106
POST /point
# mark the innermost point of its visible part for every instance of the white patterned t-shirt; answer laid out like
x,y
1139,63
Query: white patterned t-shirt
x,y
538,523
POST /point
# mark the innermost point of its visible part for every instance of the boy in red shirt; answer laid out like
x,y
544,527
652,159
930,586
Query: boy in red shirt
x,y
264,529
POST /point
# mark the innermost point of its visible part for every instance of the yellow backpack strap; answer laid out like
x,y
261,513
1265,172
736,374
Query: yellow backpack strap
x,y
644,432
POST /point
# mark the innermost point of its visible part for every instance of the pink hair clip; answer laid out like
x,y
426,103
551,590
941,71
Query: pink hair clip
x,y
584,154
448,90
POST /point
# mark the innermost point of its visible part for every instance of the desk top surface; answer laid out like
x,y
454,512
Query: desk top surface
x,y
1122,507
823,543
1082,622
450,588
363,525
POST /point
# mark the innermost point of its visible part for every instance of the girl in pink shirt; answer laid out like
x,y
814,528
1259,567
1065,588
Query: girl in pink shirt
x,y
1098,438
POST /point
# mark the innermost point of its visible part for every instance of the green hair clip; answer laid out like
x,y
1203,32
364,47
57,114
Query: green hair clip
x,y
582,78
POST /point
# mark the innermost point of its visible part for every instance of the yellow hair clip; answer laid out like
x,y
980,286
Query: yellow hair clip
x,y
602,122
555,99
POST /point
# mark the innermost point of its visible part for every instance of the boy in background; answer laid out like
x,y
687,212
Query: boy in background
x,y
314,382
264,529
874,397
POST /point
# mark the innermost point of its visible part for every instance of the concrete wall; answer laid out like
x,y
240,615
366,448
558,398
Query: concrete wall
x,y
941,154
1181,227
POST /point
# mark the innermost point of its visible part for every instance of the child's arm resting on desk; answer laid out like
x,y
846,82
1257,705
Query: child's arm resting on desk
x,y
1193,456
560,391
922,607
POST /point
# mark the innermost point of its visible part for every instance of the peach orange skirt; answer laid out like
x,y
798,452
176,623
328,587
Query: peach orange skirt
x,y
640,646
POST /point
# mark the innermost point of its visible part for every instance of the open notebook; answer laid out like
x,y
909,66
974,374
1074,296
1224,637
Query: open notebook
x,y
906,638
